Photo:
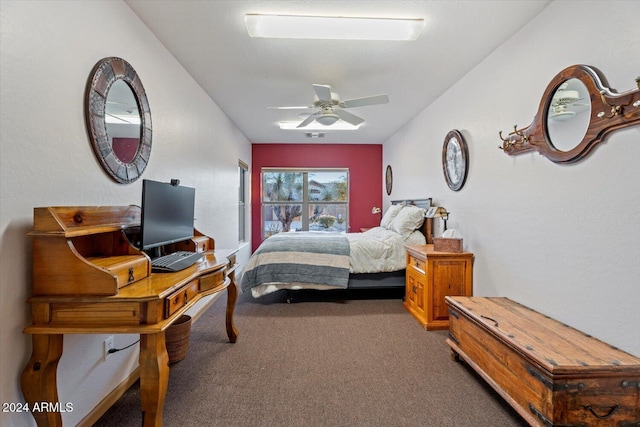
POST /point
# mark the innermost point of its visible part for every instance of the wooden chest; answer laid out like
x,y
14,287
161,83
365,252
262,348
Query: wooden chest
x,y
552,374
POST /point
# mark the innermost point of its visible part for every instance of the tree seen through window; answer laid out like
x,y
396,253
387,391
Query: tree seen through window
x,y
288,194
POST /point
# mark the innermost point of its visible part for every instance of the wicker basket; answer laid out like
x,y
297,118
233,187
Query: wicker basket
x,y
177,338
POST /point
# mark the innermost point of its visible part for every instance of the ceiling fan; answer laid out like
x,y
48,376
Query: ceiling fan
x,y
564,104
331,108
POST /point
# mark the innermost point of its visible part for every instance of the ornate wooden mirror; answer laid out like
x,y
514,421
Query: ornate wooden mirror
x,y
118,119
577,111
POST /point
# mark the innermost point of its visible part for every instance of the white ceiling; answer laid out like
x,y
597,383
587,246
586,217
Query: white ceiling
x,y
245,75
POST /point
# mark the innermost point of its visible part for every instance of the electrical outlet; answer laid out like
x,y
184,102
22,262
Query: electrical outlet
x,y
108,345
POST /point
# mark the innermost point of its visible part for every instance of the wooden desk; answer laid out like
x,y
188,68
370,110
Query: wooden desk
x,y
145,306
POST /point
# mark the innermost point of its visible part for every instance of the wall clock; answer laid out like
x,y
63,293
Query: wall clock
x,y
388,177
455,156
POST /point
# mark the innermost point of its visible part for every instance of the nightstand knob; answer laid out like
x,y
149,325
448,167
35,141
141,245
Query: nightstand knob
x,y
417,264
415,289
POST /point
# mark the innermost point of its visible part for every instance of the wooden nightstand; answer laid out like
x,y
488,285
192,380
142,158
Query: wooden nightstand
x,y
430,277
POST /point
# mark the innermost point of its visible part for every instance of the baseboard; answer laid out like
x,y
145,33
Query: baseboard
x,y
110,399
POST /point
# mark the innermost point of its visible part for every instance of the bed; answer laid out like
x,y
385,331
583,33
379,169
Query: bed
x,y
318,260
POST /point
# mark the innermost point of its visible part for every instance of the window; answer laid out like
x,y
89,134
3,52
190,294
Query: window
x,y
243,171
304,200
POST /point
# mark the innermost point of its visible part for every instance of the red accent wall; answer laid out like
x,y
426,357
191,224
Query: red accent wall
x,y
364,162
125,149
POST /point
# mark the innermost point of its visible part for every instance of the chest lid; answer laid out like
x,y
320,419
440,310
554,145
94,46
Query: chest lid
x,y
543,341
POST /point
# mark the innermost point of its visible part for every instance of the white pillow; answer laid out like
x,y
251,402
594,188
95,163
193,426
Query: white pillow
x,y
390,214
409,218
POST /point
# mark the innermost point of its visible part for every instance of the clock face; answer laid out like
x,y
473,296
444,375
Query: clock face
x,y
389,179
454,160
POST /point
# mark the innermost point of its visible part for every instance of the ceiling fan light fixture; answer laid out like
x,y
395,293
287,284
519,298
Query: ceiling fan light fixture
x,y
562,116
327,119
566,96
338,125
332,27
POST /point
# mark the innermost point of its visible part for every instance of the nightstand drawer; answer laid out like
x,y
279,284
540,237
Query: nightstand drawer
x,y
416,263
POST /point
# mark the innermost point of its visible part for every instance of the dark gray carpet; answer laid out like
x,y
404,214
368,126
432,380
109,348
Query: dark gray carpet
x,y
332,358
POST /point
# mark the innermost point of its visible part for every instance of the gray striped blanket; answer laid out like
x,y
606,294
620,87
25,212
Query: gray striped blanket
x,y
301,257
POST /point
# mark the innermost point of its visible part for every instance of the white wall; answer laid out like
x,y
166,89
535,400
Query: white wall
x,y
562,239
48,51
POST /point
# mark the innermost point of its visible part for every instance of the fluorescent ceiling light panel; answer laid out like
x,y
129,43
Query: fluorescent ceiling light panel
x,y
339,125
332,28
122,119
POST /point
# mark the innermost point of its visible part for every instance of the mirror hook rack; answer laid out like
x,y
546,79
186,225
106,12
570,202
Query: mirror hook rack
x,y
615,109
515,138
637,103
624,111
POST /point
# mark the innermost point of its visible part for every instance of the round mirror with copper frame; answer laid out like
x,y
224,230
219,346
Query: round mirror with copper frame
x,y
118,119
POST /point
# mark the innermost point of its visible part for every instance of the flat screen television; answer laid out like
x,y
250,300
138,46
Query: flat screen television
x,y
167,215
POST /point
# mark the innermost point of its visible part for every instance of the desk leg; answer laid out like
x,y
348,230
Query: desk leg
x,y
232,297
154,377
39,378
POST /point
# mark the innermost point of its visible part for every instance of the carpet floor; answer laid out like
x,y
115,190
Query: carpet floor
x,y
331,358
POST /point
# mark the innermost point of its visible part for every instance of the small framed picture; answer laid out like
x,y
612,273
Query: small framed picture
x,y
431,212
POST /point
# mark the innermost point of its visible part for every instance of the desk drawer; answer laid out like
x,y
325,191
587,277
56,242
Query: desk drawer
x,y
132,272
83,314
127,268
195,244
180,298
202,243
211,281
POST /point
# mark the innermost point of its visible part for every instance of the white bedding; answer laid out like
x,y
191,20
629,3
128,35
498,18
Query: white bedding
x,y
380,250
377,250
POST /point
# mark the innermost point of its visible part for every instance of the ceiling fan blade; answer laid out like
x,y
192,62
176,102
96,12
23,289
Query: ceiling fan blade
x,y
323,92
367,100
308,120
306,107
348,117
